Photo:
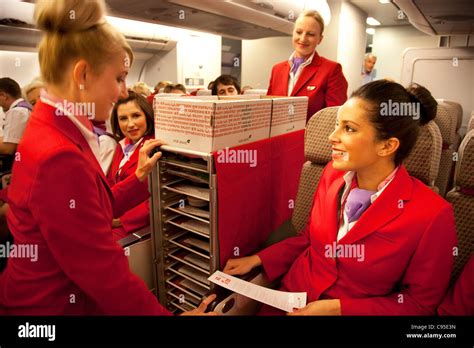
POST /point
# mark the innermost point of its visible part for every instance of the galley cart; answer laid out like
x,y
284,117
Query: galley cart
x,y
184,227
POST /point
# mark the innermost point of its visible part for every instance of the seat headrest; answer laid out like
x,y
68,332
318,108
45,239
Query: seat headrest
x,y
423,161
470,125
446,122
464,174
317,147
457,110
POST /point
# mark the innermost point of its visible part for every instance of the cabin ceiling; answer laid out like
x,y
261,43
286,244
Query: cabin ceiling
x,y
167,13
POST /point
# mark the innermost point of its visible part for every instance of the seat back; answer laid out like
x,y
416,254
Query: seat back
x,y
447,121
470,125
462,199
317,151
202,92
423,161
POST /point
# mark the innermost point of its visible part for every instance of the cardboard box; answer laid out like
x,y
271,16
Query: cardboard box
x,y
288,113
208,125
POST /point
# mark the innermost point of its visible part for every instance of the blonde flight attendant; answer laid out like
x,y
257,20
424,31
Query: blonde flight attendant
x,y
61,205
306,73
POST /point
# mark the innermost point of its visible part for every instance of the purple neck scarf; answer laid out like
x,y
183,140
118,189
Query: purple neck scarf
x,y
296,64
357,202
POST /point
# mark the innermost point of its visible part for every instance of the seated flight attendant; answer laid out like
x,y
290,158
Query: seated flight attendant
x,y
132,124
306,73
61,205
378,241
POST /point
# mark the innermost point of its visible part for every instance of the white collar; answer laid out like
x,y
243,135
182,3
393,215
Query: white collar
x,y
90,136
15,103
349,176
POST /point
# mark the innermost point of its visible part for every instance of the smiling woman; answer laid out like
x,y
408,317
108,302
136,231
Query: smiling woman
x,y
59,198
132,125
306,73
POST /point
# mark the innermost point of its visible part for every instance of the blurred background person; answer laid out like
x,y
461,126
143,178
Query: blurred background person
x,y
175,89
306,73
32,90
17,112
368,71
141,88
226,85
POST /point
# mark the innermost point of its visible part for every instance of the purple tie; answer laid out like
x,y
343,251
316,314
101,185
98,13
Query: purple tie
x,y
357,202
296,64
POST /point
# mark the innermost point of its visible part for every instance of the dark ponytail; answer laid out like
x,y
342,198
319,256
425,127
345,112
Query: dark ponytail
x,y
397,112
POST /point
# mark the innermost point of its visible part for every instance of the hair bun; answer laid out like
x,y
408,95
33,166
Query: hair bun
x,y
428,104
63,16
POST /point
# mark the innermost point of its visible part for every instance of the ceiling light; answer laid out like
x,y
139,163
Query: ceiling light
x,y
385,1
370,31
372,21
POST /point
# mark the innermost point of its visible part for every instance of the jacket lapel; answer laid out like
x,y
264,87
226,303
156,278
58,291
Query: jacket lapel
x,y
332,218
65,126
387,207
307,73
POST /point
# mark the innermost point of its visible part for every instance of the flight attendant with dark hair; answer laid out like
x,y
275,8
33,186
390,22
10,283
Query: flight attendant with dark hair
x,y
132,125
306,73
378,241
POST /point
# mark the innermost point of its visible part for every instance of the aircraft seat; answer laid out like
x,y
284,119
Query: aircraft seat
x,y
447,120
462,199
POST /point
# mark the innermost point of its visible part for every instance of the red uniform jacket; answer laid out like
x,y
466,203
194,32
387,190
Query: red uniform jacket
x,y
460,298
139,216
60,201
408,235
322,82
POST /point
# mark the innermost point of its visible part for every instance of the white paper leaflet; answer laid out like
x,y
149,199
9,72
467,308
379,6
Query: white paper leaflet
x,y
285,301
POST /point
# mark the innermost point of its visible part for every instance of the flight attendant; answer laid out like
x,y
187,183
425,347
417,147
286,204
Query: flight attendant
x,y
132,125
378,241
61,205
306,73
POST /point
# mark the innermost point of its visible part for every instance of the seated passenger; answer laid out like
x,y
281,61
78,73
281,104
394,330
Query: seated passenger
x,y
142,89
132,125
378,241
32,90
225,85
460,298
175,89
17,111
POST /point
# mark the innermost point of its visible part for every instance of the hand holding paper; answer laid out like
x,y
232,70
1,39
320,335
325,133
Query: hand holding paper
x,y
285,301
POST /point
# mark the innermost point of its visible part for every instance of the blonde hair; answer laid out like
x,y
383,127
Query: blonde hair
x,y
315,15
35,83
141,88
75,29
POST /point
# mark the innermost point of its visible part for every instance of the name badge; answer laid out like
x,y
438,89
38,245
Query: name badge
x,y
311,88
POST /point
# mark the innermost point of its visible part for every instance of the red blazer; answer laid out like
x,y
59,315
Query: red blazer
x,y
330,85
460,298
408,235
139,216
60,201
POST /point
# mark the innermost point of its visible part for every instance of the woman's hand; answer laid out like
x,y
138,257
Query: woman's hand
x,y
202,307
242,265
116,223
321,307
145,163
